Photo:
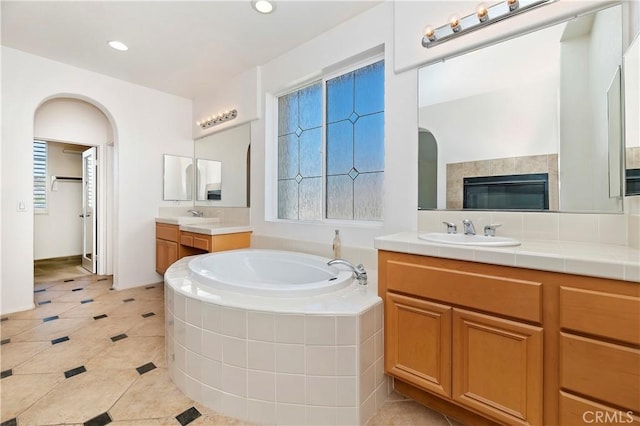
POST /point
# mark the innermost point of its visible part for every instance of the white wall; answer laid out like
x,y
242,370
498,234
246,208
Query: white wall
x,y
72,120
147,124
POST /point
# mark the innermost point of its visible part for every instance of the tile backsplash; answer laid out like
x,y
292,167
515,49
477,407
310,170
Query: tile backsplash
x,y
618,229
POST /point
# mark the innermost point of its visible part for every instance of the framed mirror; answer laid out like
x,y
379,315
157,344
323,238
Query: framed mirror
x,y
178,178
228,153
524,124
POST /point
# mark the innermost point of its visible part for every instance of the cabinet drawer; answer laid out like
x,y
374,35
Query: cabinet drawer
x,y
500,295
601,370
580,411
167,232
199,241
231,241
602,314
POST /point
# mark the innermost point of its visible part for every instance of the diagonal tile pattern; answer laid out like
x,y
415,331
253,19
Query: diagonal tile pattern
x,y
70,370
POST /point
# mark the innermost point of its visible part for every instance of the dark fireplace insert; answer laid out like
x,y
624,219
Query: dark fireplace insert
x,y
512,192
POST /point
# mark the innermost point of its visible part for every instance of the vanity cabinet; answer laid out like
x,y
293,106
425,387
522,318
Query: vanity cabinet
x,y
490,344
173,244
464,335
166,246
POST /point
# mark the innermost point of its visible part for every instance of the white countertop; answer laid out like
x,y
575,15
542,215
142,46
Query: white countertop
x,y
598,260
204,225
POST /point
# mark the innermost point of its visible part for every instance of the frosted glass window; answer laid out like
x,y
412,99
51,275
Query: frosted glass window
x,y
349,124
355,144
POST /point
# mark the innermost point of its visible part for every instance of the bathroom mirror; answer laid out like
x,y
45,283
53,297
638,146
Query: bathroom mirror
x,y
631,73
209,178
530,108
228,152
178,178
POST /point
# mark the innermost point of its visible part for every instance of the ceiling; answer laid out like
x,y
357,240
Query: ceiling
x,y
178,47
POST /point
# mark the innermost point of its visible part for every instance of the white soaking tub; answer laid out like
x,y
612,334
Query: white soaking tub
x,y
275,337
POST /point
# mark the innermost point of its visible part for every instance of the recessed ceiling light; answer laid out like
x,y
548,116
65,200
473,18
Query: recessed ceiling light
x,y
118,45
263,6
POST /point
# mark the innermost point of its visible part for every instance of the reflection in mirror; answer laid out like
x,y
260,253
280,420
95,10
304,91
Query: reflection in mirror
x,y
614,126
632,112
230,147
533,108
209,178
178,178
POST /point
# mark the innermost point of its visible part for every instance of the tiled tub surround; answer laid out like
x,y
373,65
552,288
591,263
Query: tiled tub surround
x,y
267,360
456,172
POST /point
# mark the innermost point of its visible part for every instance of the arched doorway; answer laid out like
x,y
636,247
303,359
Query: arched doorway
x,y
70,125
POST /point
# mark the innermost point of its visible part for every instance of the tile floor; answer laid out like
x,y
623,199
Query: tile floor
x,y
91,355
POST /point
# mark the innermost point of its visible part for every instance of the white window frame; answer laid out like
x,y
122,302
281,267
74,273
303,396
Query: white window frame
x,y
37,209
322,78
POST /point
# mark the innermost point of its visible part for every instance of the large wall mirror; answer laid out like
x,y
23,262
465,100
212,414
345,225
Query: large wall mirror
x,y
222,168
525,124
178,178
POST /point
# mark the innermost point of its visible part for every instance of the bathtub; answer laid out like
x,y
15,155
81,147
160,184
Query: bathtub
x,y
268,273
275,337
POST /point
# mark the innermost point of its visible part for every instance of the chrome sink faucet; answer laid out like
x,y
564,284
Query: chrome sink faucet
x,y
490,230
197,213
469,229
451,227
359,271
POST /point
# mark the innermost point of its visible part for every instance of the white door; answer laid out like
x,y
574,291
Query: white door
x,y
88,214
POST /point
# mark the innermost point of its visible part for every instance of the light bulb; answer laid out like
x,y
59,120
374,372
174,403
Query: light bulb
x,y
482,13
454,22
513,5
430,33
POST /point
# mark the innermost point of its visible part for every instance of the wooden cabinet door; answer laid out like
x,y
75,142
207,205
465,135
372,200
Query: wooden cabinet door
x,y
418,342
497,367
166,254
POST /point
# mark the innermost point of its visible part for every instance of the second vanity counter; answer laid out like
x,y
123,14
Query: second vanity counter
x,y
597,260
177,237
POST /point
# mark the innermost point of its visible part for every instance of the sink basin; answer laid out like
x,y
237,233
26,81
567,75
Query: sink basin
x,y
469,240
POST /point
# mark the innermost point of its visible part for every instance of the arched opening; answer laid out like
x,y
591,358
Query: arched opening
x,y
427,170
76,224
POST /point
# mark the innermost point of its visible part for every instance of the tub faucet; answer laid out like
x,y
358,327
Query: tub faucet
x,y
469,229
361,274
197,213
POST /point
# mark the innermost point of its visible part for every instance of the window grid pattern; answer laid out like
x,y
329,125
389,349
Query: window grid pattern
x,y
39,177
354,144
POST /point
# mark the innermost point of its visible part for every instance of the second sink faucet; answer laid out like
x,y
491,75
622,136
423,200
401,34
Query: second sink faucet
x,y
469,229
197,213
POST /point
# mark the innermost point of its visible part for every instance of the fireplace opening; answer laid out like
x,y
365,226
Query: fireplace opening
x,y
512,192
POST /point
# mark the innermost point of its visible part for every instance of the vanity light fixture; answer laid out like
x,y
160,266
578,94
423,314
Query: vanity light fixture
x,y
482,17
217,119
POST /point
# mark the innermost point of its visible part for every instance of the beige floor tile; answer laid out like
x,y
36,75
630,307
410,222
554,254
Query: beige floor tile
x,y
150,326
50,295
80,398
152,396
167,421
20,392
104,328
212,417
131,352
406,412
67,286
63,356
50,330
95,308
44,311
11,327
15,353
138,307
84,294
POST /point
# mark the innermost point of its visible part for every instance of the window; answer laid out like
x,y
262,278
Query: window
x,y
344,118
39,177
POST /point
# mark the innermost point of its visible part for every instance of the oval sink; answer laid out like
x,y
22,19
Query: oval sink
x,y
469,240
